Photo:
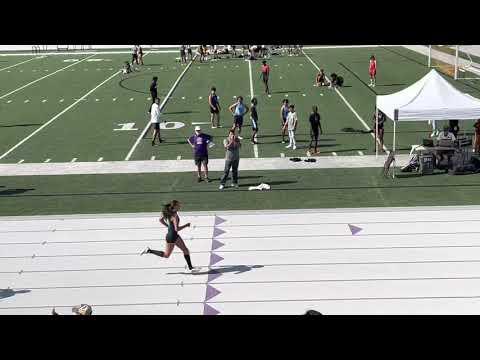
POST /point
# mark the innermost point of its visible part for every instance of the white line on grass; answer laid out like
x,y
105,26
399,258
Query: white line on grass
x,y
162,105
346,102
179,157
360,153
152,158
43,77
47,161
100,159
74,159
255,146
58,115
23,62
21,161
334,154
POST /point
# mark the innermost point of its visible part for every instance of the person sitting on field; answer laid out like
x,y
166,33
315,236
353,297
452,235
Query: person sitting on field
x,y
321,79
127,68
337,81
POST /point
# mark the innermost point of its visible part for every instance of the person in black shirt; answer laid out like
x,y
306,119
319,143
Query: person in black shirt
x,y
153,89
183,56
140,54
315,128
254,118
381,123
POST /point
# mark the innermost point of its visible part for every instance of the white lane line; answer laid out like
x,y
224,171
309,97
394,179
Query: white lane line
x,y
100,159
152,158
179,157
334,154
360,153
58,115
47,161
43,77
73,160
346,102
26,101
21,161
282,155
162,105
23,62
255,146
9,101
44,100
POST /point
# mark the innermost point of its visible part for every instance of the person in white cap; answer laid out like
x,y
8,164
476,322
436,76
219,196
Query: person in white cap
x,y
199,142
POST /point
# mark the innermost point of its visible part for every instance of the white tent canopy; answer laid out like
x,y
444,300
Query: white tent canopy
x,y
430,98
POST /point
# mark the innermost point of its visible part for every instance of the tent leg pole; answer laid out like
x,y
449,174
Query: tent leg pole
x,y
376,133
456,62
394,141
429,56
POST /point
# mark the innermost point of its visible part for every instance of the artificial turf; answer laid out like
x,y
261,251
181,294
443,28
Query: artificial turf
x,y
325,188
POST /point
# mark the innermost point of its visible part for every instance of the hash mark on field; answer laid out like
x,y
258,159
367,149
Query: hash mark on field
x,y
21,161
281,78
47,161
304,95
62,100
360,153
44,100
100,159
183,97
131,99
200,98
73,160
97,99
21,70
9,101
26,101
179,157
334,154
282,155
286,95
152,158
149,98
114,99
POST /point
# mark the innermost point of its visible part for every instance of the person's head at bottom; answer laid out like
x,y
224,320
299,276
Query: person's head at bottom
x,y
312,312
315,109
82,309
240,99
254,101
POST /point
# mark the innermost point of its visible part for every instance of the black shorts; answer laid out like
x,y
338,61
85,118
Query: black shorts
x,y
265,77
238,120
201,160
156,126
171,237
214,111
315,135
154,95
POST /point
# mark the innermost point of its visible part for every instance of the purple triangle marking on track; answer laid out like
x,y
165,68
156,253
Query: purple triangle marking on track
x,y
213,275
217,232
208,310
219,220
354,229
211,293
216,244
214,258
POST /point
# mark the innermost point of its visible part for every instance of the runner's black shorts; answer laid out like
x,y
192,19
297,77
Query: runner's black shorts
x,y
156,126
214,111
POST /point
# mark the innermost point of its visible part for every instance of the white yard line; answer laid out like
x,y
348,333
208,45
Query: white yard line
x,y
347,103
58,115
185,165
23,62
255,146
44,77
162,105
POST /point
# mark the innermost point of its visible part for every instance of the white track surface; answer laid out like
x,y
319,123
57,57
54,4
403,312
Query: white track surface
x,y
404,261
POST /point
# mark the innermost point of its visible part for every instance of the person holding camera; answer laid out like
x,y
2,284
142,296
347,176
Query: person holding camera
x,y
232,159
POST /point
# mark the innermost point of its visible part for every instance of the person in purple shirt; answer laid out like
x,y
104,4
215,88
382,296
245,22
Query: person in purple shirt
x,y
199,142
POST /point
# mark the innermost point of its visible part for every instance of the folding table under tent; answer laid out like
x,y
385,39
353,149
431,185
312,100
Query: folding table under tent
x,y
430,98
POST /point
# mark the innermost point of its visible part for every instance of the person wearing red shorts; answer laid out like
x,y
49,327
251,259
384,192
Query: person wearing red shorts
x,y
372,70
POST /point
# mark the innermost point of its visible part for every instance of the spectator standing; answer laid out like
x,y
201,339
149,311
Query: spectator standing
x,y
199,142
232,159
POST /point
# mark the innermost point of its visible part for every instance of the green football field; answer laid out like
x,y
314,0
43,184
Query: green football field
x,y
73,108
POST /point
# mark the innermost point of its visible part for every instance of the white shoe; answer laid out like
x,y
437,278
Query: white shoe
x,y
214,127
283,142
294,148
288,146
195,269
144,251
234,185
221,187
241,138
